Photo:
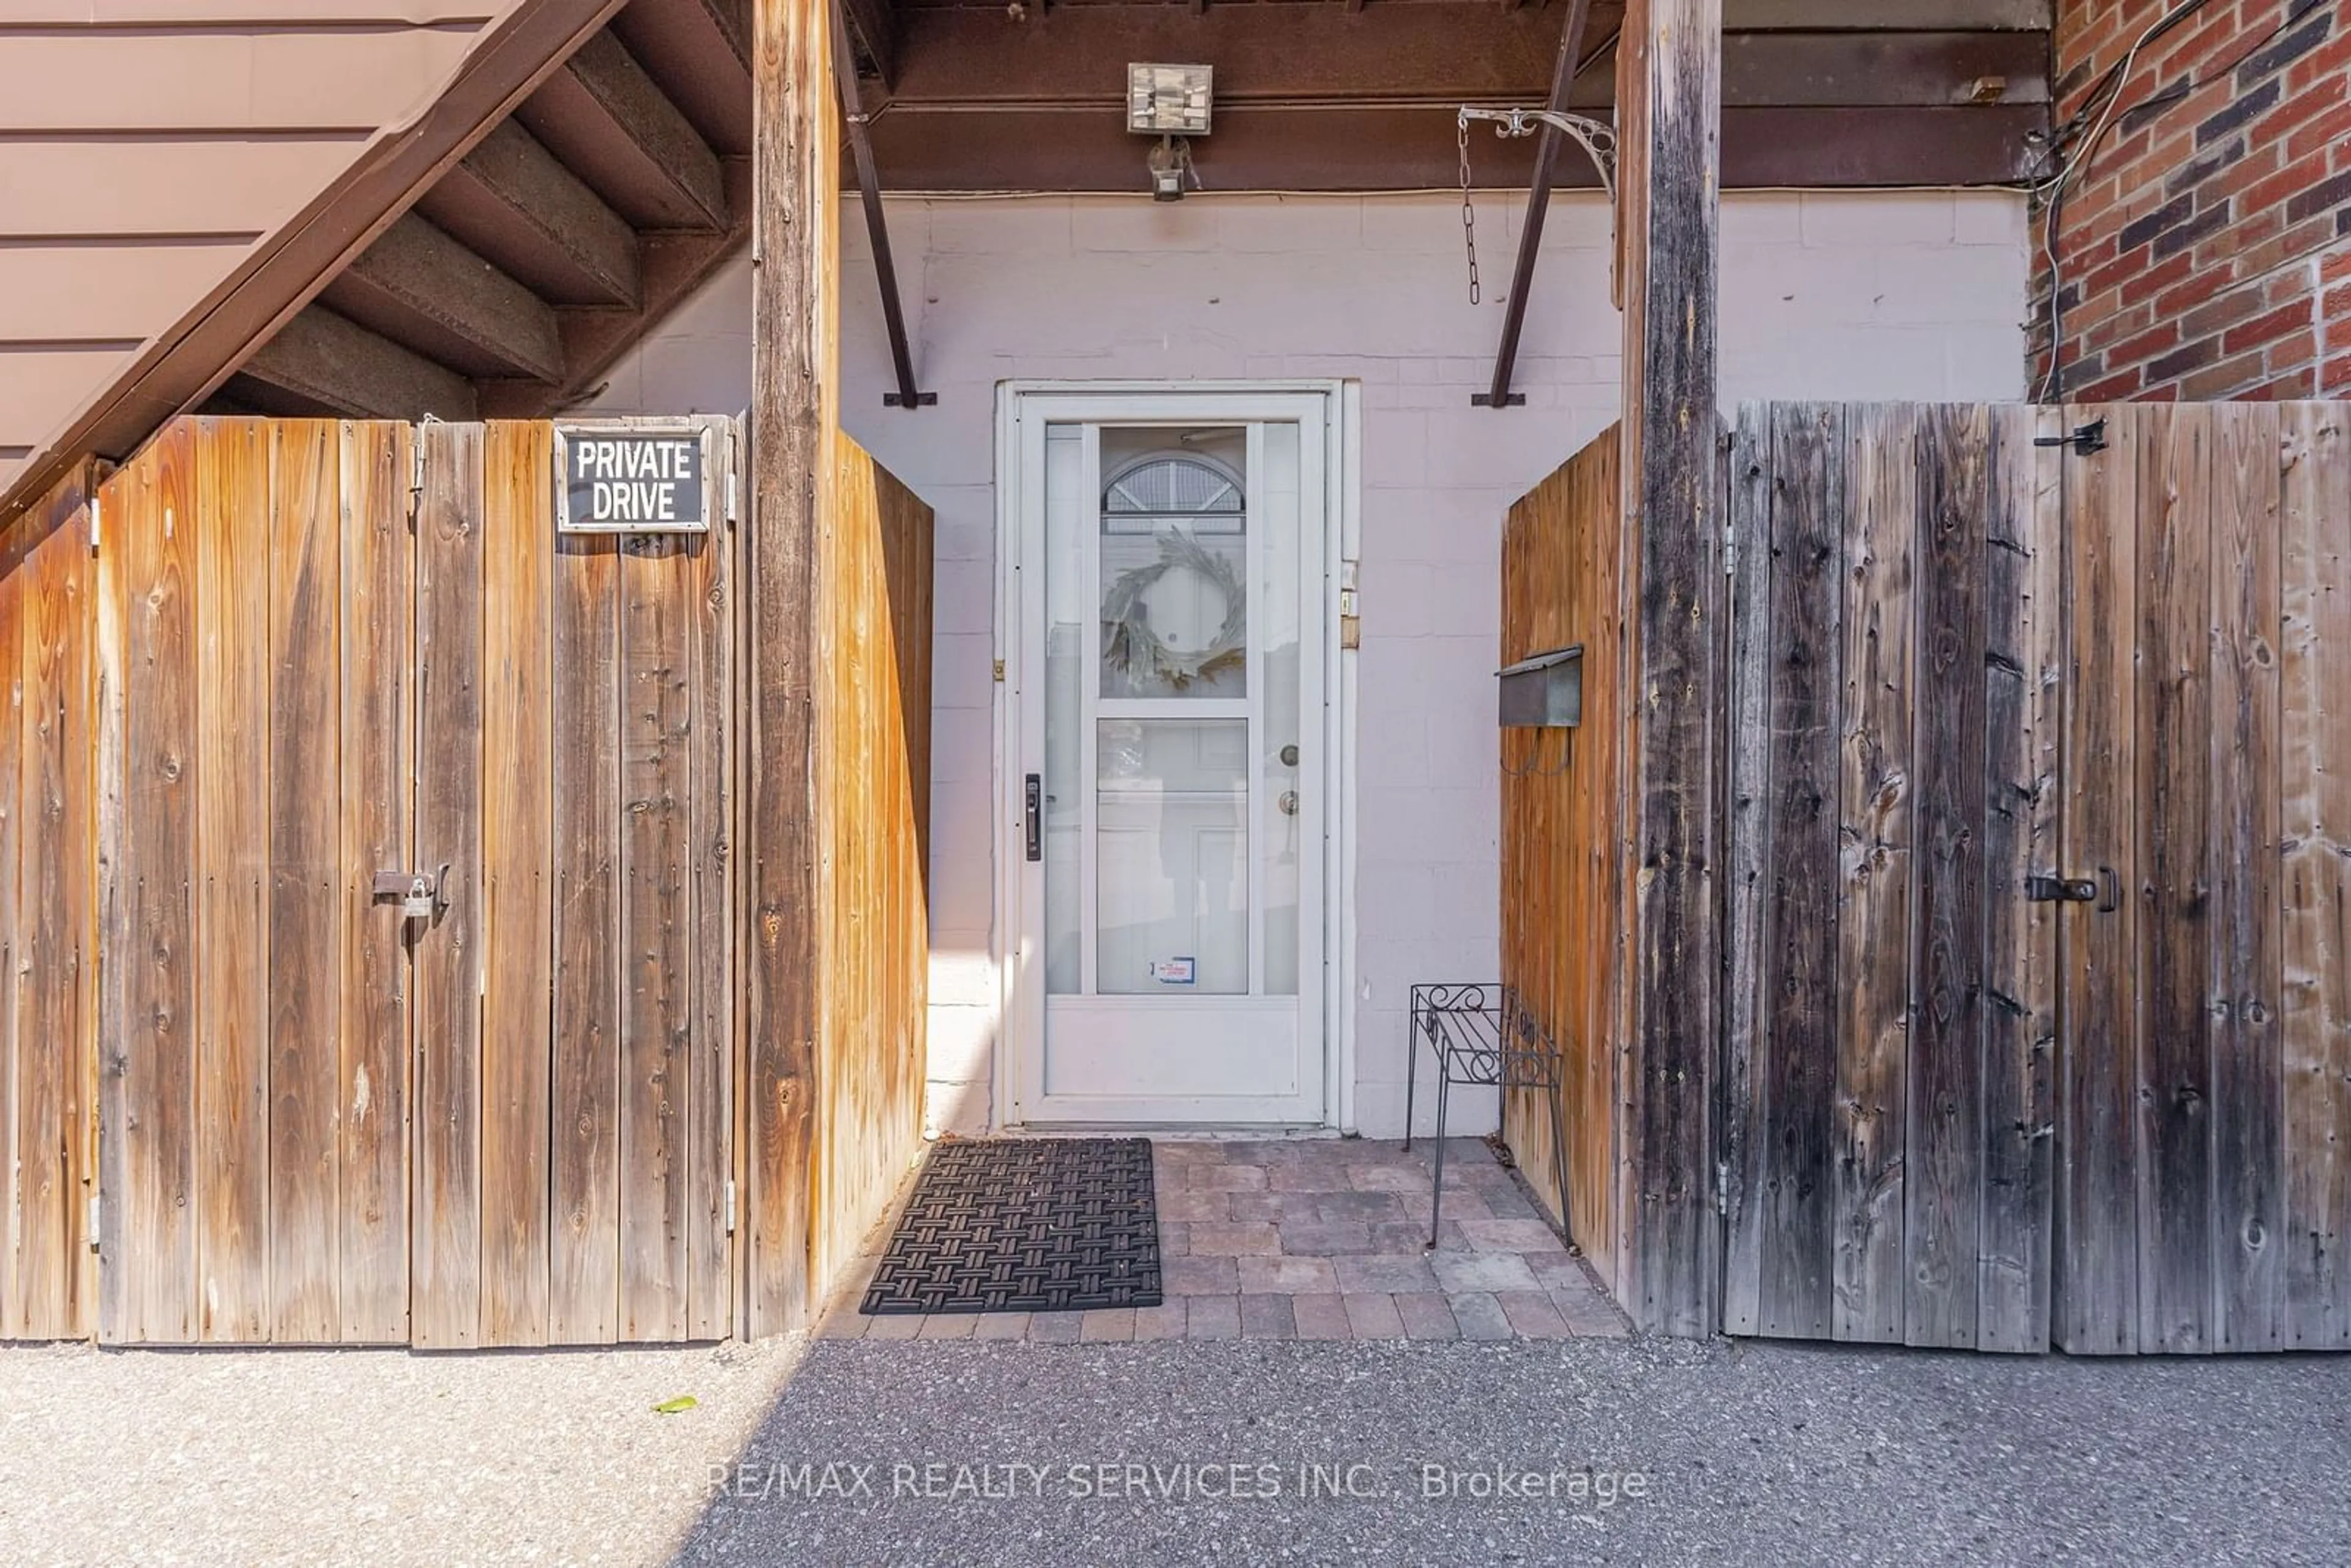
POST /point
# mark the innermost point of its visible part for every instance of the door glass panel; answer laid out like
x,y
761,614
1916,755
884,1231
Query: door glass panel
x,y
1173,564
1175,760
1068,655
1172,856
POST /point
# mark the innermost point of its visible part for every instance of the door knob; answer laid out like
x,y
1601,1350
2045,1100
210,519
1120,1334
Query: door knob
x,y
1290,754
1289,802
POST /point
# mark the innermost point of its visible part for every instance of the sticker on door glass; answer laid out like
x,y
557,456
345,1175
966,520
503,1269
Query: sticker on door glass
x,y
1172,971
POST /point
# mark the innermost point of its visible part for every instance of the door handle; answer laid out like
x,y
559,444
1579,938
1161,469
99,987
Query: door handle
x,y
1035,791
2114,899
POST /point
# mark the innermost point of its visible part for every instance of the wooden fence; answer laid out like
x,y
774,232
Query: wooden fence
x,y
1967,656
1890,1009
874,774
303,652
1563,888
2205,1109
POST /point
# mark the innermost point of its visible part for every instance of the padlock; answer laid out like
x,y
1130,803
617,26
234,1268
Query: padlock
x,y
417,904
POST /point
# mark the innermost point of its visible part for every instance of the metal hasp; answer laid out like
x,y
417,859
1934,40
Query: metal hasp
x,y
2085,439
2045,889
422,894
1522,274
877,226
1545,692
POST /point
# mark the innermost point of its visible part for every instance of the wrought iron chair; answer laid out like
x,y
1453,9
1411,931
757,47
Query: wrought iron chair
x,y
1478,1034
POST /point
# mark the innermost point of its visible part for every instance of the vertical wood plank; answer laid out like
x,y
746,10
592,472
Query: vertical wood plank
x,y
656,1005
2095,1307
794,390
2176,1173
710,848
584,1237
2174,760
302,530
1871,1024
2315,937
124,499
55,1024
376,700
1944,1139
518,934
18,603
230,960
2018,1010
1747,1085
2247,972
446,1286
1670,97
149,1250
1800,1012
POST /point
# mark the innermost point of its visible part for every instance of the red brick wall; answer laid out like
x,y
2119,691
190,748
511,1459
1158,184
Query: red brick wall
x,y
2205,245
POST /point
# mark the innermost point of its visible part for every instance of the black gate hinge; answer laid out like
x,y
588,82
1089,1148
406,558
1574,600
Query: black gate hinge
x,y
2085,439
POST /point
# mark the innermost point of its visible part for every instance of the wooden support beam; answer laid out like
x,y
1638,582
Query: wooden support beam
x,y
795,382
1669,145
513,204
328,362
876,23
1411,148
606,118
418,287
1429,52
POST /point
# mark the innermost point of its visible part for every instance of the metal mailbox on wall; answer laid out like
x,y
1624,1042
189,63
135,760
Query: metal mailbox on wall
x,y
636,475
1545,692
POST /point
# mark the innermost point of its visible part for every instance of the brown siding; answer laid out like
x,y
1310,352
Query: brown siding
x,y
152,145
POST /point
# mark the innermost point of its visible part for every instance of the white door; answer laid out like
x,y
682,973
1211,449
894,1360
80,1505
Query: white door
x,y
1166,705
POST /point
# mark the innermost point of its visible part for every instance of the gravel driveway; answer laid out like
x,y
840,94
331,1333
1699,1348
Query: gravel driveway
x,y
1747,1453
1174,1452
366,1456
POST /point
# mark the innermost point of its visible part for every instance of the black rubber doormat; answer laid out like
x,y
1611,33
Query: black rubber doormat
x,y
1025,1224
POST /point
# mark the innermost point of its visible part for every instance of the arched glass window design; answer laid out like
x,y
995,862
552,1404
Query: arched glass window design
x,y
1186,488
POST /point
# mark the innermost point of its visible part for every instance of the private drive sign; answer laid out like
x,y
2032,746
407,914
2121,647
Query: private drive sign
x,y
632,477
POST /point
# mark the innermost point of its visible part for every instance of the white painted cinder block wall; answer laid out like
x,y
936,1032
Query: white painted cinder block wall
x,y
1847,296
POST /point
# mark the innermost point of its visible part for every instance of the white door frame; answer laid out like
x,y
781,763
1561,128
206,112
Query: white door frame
x,y
1020,996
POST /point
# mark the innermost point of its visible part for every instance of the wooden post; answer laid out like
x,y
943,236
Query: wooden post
x,y
794,388
1669,110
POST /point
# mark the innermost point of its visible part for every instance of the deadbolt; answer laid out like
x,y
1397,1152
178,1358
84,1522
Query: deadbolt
x,y
1290,754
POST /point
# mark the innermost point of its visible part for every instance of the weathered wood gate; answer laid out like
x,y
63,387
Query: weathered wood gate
x,y
1968,654
328,650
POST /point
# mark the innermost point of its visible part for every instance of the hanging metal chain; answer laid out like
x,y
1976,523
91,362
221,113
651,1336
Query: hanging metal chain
x,y
1469,212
